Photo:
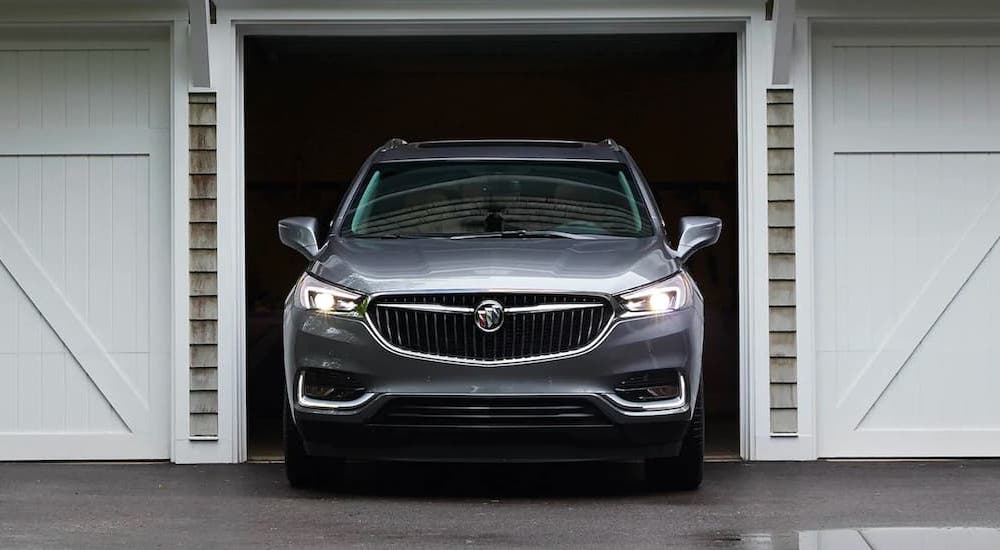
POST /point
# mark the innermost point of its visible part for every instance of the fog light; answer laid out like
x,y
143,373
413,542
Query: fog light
x,y
330,385
649,386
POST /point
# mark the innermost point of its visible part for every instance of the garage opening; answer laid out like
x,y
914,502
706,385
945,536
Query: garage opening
x,y
315,107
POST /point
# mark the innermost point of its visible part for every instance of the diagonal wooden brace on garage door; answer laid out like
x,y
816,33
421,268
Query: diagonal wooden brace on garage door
x,y
913,326
71,329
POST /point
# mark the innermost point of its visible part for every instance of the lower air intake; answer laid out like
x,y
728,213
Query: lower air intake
x,y
489,412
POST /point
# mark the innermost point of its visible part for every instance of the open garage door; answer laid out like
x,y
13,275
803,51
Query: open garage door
x,y
907,214
84,247
669,98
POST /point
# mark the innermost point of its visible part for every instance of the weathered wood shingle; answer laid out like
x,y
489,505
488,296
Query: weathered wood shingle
x,y
204,285
203,261
781,261
202,186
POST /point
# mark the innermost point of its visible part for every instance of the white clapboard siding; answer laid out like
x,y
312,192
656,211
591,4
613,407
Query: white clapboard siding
x,y
907,218
84,244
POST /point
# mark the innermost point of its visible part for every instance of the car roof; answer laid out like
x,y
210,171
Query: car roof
x,y
541,149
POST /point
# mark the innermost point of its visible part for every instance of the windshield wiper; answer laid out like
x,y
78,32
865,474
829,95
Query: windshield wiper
x,y
520,234
392,236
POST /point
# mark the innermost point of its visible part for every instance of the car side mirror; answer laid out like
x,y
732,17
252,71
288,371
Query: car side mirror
x,y
299,234
697,232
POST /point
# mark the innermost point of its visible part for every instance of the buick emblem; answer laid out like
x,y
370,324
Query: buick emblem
x,y
489,315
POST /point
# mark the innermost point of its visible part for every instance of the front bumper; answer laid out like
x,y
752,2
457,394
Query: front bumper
x,y
317,341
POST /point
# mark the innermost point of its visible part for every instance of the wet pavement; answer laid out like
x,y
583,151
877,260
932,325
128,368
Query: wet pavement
x,y
842,505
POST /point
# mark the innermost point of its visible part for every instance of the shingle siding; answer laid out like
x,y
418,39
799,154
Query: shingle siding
x,y
781,240
203,243
781,261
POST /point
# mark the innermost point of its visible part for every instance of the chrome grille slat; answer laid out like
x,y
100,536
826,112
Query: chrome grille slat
x,y
513,341
399,333
405,340
442,325
562,329
427,332
437,342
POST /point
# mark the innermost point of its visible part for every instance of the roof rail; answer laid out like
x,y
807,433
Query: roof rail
x,y
392,144
497,142
611,144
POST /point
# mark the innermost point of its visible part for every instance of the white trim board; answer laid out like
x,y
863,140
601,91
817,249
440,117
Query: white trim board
x,y
484,27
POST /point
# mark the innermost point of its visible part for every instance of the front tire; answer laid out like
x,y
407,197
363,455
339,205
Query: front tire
x,y
683,472
303,470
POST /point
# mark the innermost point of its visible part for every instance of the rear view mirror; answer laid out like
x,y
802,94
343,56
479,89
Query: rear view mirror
x,y
299,234
697,232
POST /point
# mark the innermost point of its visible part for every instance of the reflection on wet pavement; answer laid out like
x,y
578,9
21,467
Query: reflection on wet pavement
x,y
880,538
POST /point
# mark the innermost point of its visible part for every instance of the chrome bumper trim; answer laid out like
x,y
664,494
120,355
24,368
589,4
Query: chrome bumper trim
x,y
676,405
311,403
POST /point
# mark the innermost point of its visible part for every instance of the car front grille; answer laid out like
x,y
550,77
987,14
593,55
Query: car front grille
x,y
489,412
534,325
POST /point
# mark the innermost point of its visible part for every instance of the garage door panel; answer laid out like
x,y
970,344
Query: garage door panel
x,y
889,217
45,383
124,90
907,180
52,235
109,274
950,380
8,392
124,253
29,88
888,293
895,214
54,88
78,246
8,89
119,88
86,221
84,241
904,86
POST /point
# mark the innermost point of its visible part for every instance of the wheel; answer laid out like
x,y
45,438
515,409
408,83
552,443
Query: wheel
x,y
301,469
682,472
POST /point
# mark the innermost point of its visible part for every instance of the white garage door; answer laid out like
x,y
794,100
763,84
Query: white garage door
x,y
84,245
907,216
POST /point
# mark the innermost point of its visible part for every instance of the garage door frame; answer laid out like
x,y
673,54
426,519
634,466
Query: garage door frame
x,y
752,343
825,35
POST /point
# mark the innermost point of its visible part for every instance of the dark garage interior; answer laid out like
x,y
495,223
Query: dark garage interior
x,y
315,107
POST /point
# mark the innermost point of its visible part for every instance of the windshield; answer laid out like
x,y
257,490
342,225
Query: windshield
x,y
468,199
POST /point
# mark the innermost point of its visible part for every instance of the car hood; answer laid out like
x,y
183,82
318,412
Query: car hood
x,y
402,265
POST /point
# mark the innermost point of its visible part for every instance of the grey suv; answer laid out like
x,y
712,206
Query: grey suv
x,y
495,301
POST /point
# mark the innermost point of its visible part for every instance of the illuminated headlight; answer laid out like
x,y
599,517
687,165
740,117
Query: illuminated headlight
x,y
317,295
660,297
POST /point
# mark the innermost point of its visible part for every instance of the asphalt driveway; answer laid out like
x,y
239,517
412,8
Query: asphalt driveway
x,y
406,506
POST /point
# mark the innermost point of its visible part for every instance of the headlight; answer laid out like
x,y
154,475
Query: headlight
x,y
659,297
316,295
